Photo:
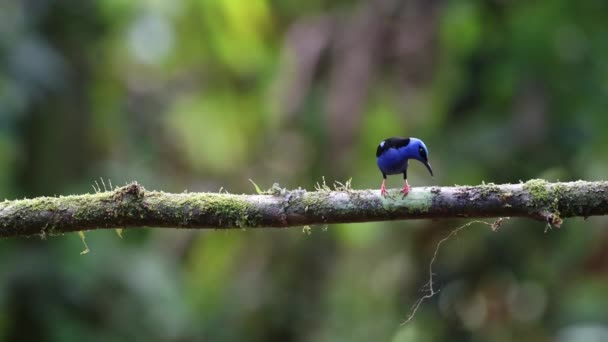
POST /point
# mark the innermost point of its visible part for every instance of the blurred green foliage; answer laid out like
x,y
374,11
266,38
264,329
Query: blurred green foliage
x,y
203,95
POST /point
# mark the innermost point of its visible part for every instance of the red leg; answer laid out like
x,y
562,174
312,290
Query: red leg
x,y
406,188
383,188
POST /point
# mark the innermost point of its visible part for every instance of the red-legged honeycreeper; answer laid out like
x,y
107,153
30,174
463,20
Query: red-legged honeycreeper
x,y
392,157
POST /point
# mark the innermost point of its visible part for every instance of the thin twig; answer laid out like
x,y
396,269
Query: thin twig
x,y
431,289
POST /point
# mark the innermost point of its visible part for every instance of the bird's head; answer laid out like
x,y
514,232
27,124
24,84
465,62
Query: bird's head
x,y
421,153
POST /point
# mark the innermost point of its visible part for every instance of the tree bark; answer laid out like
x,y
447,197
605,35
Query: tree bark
x,y
132,206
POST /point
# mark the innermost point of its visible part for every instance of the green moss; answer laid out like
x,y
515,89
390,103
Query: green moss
x,y
276,190
230,211
87,208
598,194
415,202
487,190
545,196
540,193
314,202
306,230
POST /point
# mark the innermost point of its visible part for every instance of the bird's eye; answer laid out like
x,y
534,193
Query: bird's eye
x,y
422,153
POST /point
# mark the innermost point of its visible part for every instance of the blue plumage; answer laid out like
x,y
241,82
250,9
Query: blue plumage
x,y
392,157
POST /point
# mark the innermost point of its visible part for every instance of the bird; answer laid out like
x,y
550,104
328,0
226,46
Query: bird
x,y
392,157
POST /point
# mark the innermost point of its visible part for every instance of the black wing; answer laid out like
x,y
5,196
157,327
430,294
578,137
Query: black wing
x,y
394,142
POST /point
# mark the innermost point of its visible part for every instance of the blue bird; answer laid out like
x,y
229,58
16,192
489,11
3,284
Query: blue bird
x,y
392,157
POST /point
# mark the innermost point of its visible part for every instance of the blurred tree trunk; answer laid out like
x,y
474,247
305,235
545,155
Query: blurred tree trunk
x,y
56,124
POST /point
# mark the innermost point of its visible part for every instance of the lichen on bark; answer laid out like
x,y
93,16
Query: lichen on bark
x,y
132,206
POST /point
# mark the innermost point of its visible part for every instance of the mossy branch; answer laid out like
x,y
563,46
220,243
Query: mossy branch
x,y
132,206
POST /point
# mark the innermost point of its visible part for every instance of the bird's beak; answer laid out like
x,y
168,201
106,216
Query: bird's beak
x,y
428,166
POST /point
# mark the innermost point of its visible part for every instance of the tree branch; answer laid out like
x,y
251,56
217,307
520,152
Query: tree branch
x,y
132,206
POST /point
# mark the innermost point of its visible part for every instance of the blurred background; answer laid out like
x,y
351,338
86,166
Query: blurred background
x,y
198,95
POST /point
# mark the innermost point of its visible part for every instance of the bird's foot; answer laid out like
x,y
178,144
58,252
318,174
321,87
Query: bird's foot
x,y
383,191
406,189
